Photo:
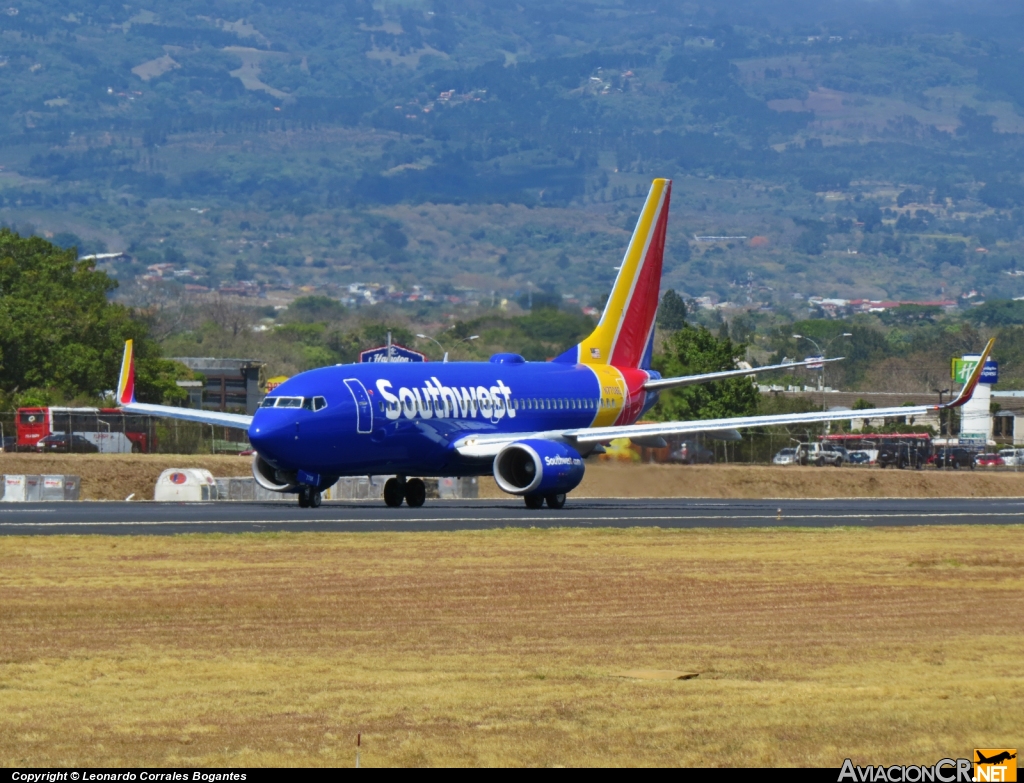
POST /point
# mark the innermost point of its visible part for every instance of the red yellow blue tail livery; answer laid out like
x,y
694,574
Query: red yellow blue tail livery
x,y
126,383
530,424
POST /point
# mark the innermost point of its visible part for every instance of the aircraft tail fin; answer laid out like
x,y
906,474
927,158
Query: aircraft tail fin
x,y
126,383
624,336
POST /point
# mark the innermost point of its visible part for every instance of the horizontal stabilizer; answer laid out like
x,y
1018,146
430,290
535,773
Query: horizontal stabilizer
x,y
126,401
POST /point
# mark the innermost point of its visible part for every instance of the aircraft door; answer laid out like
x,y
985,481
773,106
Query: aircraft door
x,y
364,410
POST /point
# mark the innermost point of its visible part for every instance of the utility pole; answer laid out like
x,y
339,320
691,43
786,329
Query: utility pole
x,y
942,418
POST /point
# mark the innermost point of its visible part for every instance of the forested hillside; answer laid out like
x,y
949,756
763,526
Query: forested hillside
x,y
849,149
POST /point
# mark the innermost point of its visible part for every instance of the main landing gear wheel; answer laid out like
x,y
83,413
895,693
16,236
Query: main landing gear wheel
x,y
394,493
534,501
309,498
415,492
556,500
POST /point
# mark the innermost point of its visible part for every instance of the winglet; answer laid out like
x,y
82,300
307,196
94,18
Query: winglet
x,y
126,383
968,391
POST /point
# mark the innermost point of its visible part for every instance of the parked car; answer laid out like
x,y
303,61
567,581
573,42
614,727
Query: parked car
x,y
692,453
59,442
1012,457
9,443
955,458
821,454
858,458
989,461
901,455
785,457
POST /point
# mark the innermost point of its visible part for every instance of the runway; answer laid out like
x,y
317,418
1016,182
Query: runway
x,y
148,518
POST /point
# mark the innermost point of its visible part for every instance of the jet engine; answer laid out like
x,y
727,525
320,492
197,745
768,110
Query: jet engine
x,y
269,477
538,467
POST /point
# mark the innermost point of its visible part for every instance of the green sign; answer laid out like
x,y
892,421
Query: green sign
x,y
962,370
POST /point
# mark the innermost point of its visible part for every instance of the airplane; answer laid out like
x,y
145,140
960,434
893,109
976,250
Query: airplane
x,y
999,758
529,424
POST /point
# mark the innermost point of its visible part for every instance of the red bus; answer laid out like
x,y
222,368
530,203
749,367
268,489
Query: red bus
x,y
109,429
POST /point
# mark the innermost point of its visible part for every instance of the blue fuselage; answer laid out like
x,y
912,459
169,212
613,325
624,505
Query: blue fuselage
x,y
378,419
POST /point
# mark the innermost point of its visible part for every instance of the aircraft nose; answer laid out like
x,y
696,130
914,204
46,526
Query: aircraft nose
x,y
269,434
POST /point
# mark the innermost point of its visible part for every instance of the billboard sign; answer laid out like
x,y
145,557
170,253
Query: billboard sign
x,y
962,369
392,353
273,383
973,440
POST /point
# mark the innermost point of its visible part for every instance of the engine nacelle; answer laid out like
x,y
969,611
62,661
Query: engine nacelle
x,y
269,477
538,467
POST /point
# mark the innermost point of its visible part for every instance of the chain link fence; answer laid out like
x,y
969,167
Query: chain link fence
x,y
163,436
756,447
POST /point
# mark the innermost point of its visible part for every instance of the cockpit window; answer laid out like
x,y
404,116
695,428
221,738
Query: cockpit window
x,y
269,402
319,403
289,402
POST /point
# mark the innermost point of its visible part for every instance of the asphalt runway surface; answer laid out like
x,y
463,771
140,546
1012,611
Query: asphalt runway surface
x,y
147,518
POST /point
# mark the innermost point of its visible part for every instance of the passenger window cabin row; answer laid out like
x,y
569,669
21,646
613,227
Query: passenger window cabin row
x,y
524,404
518,404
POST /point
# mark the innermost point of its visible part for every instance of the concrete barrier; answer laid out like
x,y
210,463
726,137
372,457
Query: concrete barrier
x,y
454,488
59,487
24,488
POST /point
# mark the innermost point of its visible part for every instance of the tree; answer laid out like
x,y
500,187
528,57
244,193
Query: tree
x,y
58,331
870,215
376,335
997,312
671,311
693,350
953,253
310,309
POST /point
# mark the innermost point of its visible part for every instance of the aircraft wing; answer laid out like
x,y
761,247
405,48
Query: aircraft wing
x,y
602,434
126,401
482,446
691,380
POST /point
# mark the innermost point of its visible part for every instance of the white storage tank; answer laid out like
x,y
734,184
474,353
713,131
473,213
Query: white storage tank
x,y
185,484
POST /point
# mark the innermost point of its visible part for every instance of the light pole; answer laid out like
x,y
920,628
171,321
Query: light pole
x,y
435,342
466,340
457,343
823,355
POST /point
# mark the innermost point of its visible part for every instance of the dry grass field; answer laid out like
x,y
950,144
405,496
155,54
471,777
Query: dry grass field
x,y
115,476
484,648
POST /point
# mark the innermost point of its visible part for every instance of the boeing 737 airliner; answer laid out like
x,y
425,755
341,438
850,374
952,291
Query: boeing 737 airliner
x,y
530,424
